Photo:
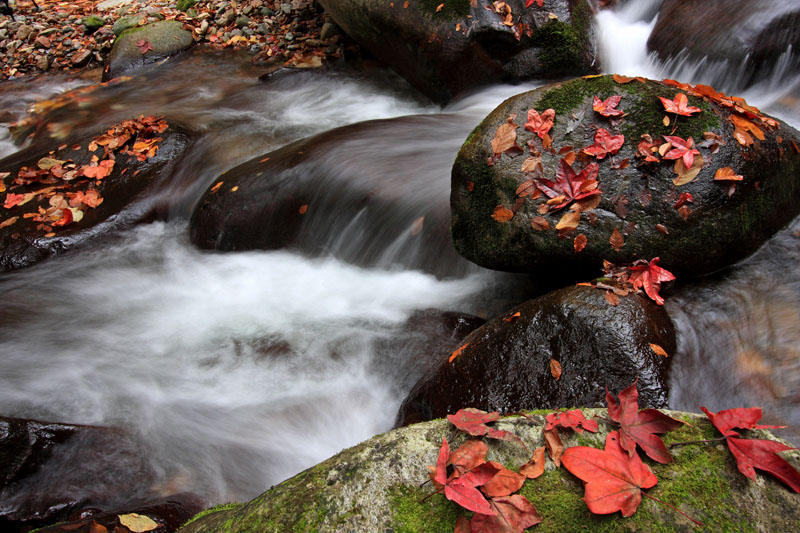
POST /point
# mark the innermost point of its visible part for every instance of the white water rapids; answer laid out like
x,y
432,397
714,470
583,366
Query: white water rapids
x,y
176,346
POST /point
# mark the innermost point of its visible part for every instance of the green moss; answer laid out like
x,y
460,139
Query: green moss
x,y
184,5
93,23
452,8
560,45
415,512
211,510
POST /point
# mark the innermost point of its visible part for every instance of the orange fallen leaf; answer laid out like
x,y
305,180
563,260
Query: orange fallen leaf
x,y
579,243
457,352
612,299
554,445
658,350
303,209
727,174
513,317
216,187
535,467
555,369
502,214
540,223
616,240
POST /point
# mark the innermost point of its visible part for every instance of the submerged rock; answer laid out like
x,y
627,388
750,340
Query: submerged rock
x,y
693,221
446,48
144,45
373,193
56,199
380,485
505,365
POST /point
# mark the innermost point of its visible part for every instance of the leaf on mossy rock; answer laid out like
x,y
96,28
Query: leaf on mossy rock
x,y
138,523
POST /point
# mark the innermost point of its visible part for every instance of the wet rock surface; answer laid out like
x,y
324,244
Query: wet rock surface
x,y
447,50
506,364
646,203
138,47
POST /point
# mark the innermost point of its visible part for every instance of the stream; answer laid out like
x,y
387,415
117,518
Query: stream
x,y
144,332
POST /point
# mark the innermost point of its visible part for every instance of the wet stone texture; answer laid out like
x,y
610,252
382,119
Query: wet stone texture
x,y
505,365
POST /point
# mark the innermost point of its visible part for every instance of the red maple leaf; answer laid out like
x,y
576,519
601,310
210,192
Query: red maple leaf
x,y
144,46
608,108
681,149
679,106
571,186
604,144
540,124
504,483
529,3
649,276
640,427
473,421
462,488
647,148
613,479
571,419
514,514
100,170
13,200
754,453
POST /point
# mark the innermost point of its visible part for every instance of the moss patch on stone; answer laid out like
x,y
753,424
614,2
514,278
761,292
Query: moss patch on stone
x,y
452,8
560,45
413,511
212,510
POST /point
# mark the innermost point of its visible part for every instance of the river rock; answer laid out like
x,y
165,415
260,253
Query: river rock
x,y
165,39
446,48
382,485
722,223
341,193
734,34
506,364
30,229
50,470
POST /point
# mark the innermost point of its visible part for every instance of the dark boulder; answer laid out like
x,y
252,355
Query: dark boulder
x,y
373,194
722,223
144,45
505,365
743,35
44,180
466,44
48,471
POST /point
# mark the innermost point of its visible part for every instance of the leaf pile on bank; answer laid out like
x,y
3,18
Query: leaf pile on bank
x,y
615,478
57,192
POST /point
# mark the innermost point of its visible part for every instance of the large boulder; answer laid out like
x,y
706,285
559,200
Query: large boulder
x,y
144,45
373,203
56,199
382,485
506,364
736,34
446,48
695,223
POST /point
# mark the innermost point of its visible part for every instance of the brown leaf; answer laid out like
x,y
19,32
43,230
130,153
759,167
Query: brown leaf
x,y
617,240
612,299
727,173
555,369
535,467
304,208
95,527
502,214
622,79
579,243
532,164
504,482
684,211
505,138
662,229
540,223
526,188
686,175
554,446
570,220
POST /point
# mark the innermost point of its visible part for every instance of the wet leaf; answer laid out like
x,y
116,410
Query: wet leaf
x,y
473,422
505,138
613,479
604,144
727,173
137,523
616,240
754,453
608,108
554,445
579,243
555,369
612,299
512,318
658,350
144,46
502,214
685,175
569,221
649,276
573,419
570,186
514,515
683,149
504,482
640,427
457,352
679,106
540,223
535,467
540,124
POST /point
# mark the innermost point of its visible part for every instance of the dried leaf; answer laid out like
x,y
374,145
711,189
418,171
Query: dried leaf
x,y
608,108
727,173
555,369
554,446
573,419
457,352
473,422
535,467
616,240
570,220
540,223
540,124
658,350
137,523
502,214
679,106
612,299
579,243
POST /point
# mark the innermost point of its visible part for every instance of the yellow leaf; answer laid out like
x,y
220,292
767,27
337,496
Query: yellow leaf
x,y
569,221
137,523
686,175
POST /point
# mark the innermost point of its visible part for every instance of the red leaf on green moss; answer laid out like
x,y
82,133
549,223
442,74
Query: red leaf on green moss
x,y
514,515
754,453
608,108
613,479
571,419
461,488
640,427
473,421
679,105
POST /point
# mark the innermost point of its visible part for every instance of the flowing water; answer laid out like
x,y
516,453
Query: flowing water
x,y
238,370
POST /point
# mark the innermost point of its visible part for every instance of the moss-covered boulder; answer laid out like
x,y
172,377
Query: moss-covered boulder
x,y
56,197
747,36
446,48
144,45
506,364
127,22
92,23
379,485
694,222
